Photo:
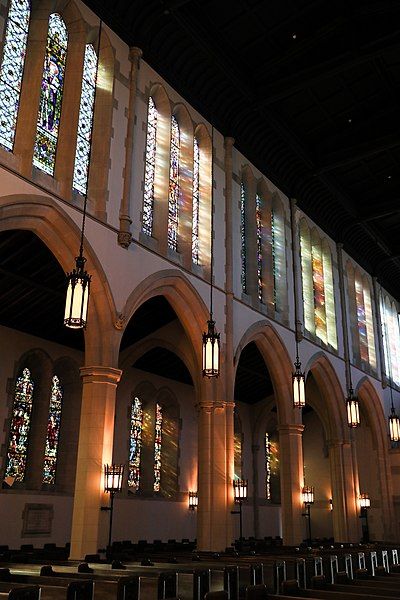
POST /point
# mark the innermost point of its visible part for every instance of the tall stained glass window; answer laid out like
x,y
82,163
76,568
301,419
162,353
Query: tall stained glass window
x,y
361,320
196,202
274,256
20,427
85,122
48,123
12,69
272,468
267,467
53,432
135,444
319,291
243,235
391,339
157,449
259,247
174,189
150,168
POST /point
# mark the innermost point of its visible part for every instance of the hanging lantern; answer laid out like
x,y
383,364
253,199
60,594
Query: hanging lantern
x,y
353,410
365,501
211,351
76,304
307,494
240,489
193,500
394,426
299,385
113,475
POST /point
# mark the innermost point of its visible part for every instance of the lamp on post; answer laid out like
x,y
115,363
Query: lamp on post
x,y
211,338
307,496
240,492
352,409
193,500
113,475
365,505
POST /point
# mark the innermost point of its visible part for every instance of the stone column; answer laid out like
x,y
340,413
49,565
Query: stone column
x,y
290,439
215,491
96,433
124,234
344,514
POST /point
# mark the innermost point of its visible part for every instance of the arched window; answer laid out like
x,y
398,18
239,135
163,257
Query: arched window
x,y
259,234
48,123
243,236
85,122
174,188
361,316
391,339
157,448
150,168
12,69
196,202
53,432
135,443
318,292
20,427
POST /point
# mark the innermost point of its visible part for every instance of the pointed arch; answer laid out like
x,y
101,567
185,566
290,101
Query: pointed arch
x,y
45,218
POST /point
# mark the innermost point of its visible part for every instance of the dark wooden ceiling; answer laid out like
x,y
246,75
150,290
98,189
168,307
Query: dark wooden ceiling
x,y
309,89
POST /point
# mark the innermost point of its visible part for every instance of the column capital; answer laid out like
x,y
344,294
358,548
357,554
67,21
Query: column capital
x,y
229,142
100,375
291,428
135,54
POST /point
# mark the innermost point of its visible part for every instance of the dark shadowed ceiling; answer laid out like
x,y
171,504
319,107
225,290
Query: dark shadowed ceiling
x,y
309,89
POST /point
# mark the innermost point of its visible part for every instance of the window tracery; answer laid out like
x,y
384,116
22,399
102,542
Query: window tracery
x,y
174,188
150,168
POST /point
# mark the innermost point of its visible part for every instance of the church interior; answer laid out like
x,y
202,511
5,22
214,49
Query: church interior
x,y
200,283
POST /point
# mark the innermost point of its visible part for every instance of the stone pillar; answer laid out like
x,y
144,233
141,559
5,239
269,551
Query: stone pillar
x,y
124,234
96,433
290,439
344,514
215,491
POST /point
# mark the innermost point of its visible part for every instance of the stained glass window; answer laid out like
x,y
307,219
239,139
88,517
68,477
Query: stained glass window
x,y
48,123
53,432
267,467
274,256
157,449
259,247
20,426
174,190
135,444
12,69
361,320
196,202
319,291
150,168
272,468
243,235
391,339
369,323
85,122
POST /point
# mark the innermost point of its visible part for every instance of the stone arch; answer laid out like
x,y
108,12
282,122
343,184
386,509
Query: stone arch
x,y
373,409
42,216
278,362
186,302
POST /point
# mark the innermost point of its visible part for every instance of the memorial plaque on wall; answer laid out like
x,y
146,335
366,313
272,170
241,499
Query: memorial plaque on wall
x,y
37,519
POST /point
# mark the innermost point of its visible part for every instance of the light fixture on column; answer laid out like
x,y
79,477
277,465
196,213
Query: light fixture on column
x,y
240,493
307,496
299,381
365,505
352,409
211,338
113,476
78,280
193,500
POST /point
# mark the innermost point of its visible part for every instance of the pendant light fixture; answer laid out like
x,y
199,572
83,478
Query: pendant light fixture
x,y
352,409
78,280
298,376
211,338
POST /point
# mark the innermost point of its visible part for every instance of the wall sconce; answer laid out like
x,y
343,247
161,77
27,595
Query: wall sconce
x,y
193,500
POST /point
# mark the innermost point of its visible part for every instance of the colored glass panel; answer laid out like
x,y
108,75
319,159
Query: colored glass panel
x,y
196,202
243,235
307,279
12,69
174,190
361,320
44,153
370,326
267,467
274,255
319,292
259,247
20,427
150,168
53,432
85,122
135,444
157,449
